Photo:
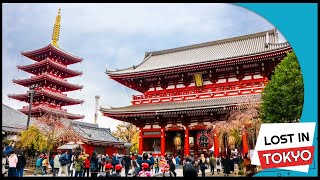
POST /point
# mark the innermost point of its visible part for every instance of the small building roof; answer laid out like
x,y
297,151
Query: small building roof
x,y
165,107
92,132
15,121
214,51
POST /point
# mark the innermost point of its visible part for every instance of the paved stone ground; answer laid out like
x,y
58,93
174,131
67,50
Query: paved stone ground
x,y
178,171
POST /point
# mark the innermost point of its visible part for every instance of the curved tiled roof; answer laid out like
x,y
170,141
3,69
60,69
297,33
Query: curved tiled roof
x,y
30,67
241,46
54,95
43,108
93,132
49,47
44,76
15,121
184,105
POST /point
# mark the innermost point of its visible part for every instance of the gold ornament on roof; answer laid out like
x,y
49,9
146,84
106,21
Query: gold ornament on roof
x,y
56,30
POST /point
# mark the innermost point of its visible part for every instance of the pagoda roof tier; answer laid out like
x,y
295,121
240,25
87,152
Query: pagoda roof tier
x,y
182,106
42,109
36,68
225,50
52,51
47,93
42,80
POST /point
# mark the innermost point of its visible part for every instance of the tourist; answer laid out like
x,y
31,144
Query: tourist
x,y
56,164
13,160
39,165
127,163
51,162
103,163
99,162
63,163
135,168
72,168
86,166
172,166
45,164
118,169
202,162
145,172
94,164
249,169
115,161
177,161
9,148
5,164
156,165
145,160
78,163
226,165
218,165
151,158
21,164
212,162
162,162
189,170
167,172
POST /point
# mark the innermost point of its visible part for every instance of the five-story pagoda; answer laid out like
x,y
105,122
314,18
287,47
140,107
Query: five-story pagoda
x,y
49,79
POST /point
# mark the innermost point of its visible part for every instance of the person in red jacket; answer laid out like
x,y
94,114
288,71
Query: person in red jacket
x,y
86,166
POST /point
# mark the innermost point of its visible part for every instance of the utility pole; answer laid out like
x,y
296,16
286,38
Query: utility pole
x,y
31,94
96,109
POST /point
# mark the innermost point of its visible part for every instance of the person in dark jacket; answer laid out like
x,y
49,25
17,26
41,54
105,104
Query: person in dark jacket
x,y
127,163
226,166
94,164
145,159
189,170
172,166
51,161
202,165
21,164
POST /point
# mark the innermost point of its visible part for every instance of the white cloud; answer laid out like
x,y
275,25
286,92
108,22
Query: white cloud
x,y
112,36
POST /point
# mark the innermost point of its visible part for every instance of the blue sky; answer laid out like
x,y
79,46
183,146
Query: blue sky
x,y
112,36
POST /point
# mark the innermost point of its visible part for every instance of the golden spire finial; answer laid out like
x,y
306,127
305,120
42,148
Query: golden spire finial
x,y
56,30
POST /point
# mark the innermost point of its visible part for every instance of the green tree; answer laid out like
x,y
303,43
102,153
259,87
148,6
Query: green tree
x,y
282,98
128,133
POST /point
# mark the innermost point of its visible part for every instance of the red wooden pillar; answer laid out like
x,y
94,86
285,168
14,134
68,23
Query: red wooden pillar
x,y
245,142
140,142
163,144
216,143
186,142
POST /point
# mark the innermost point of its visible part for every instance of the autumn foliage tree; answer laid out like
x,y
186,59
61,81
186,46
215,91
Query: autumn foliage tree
x,y
33,139
128,133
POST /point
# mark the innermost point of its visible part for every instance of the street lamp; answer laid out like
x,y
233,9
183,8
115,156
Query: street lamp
x,y
32,93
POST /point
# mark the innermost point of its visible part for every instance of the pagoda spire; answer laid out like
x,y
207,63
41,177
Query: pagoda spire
x,y
56,30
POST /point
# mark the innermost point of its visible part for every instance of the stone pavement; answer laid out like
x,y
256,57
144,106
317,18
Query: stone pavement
x,y
178,171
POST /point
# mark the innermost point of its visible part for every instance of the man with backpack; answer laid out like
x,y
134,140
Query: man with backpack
x,y
39,166
64,160
145,160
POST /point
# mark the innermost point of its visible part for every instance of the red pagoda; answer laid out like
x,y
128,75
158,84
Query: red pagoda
x,y
49,78
187,89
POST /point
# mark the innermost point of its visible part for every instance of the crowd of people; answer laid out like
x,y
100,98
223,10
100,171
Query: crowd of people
x,y
80,164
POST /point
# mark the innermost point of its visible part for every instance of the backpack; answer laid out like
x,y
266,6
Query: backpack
x,y
63,160
218,162
39,162
92,166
